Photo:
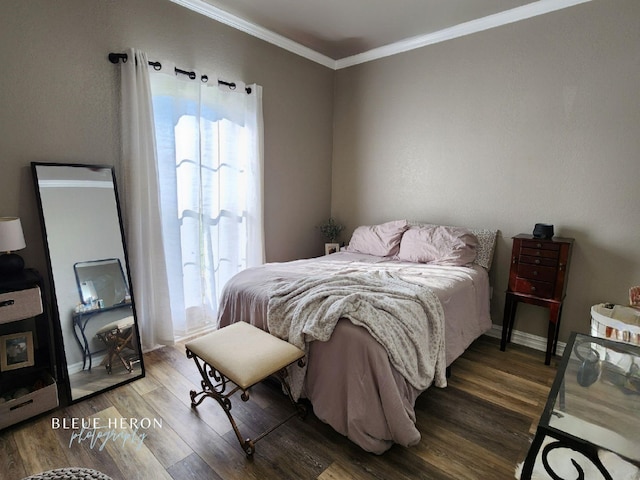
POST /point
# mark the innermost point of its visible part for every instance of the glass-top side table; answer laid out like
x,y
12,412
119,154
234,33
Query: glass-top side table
x,y
594,403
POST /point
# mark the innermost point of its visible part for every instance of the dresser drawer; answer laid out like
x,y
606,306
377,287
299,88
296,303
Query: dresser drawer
x,y
532,287
540,245
20,304
548,262
532,252
538,273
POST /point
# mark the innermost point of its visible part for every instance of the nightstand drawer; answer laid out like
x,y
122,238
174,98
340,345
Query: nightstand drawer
x,y
548,262
540,245
532,287
531,252
20,304
538,273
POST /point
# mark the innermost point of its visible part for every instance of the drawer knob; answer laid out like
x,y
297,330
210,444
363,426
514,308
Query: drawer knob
x,y
539,245
533,289
537,261
535,273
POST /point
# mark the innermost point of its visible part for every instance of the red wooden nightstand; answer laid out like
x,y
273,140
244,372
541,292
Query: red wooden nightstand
x,y
538,276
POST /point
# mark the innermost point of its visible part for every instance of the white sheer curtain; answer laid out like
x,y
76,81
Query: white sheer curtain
x,y
209,148
141,198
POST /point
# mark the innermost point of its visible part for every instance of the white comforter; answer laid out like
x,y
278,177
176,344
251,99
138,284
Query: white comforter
x,y
405,318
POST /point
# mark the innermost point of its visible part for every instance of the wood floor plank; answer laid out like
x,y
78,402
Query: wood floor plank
x,y
11,464
161,439
473,418
145,384
225,459
81,453
517,359
176,357
459,456
127,447
192,468
478,427
336,471
502,388
39,447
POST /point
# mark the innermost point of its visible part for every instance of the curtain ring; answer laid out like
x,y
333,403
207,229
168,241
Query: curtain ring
x,y
204,79
157,66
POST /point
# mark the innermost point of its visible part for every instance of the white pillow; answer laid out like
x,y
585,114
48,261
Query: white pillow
x,y
381,240
486,243
439,245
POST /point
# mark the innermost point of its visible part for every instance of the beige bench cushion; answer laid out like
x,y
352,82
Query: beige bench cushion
x,y
244,354
121,324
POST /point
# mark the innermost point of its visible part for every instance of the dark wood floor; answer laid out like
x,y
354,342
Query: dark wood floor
x,y
478,427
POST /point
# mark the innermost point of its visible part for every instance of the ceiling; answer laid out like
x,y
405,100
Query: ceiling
x,y
340,33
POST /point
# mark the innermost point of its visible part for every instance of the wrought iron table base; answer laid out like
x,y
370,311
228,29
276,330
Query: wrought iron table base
x,y
587,450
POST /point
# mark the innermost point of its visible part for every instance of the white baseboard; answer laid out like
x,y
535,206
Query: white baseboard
x,y
526,339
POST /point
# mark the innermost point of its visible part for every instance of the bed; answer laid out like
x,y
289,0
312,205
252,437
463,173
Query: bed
x,y
354,383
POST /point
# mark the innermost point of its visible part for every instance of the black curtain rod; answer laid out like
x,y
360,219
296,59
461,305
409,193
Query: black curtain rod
x,y
116,57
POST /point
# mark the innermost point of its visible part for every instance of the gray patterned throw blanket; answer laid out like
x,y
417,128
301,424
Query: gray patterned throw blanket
x,y
406,319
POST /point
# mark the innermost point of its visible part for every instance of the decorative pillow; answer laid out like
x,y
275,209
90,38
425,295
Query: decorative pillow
x,y
438,244
486,244
381,240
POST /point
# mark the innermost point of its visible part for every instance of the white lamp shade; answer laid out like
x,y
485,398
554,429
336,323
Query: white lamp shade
x,y
11,236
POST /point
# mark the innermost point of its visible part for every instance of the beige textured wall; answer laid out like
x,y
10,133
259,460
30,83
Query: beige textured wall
x,y
59,100
537,121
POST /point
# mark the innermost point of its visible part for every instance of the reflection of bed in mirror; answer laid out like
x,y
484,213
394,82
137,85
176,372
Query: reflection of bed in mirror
x,y
81,221
104,312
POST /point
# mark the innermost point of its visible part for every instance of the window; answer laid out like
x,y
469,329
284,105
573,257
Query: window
x,y
209,144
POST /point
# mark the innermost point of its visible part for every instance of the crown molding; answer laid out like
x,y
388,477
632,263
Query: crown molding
x,y
473,26
262,33
530,10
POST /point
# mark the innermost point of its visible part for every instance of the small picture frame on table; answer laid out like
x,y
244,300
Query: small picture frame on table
x,y
16,351
330,248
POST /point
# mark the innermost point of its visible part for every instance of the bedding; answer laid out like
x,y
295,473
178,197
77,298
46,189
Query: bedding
x,y
383,240
438,244
306,310
350,379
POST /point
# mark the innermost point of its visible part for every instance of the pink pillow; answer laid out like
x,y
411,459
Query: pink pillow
x,y
438,244
382,240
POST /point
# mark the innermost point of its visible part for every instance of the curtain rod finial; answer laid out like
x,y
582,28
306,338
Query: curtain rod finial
x,y
116,57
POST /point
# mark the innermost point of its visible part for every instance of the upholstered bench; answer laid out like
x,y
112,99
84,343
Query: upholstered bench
x,y
117,336
243,355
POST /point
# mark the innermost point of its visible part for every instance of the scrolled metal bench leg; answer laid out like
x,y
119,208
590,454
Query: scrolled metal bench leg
x,y
217,393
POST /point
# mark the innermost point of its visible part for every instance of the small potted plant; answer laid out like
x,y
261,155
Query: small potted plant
x,y
331,230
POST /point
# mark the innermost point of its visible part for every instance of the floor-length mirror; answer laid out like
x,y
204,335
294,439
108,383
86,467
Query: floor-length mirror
x,y
96,327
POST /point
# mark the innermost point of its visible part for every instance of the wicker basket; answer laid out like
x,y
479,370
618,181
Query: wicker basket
x,y
616,322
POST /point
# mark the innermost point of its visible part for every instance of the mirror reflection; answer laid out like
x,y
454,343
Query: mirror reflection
x,y
90,278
